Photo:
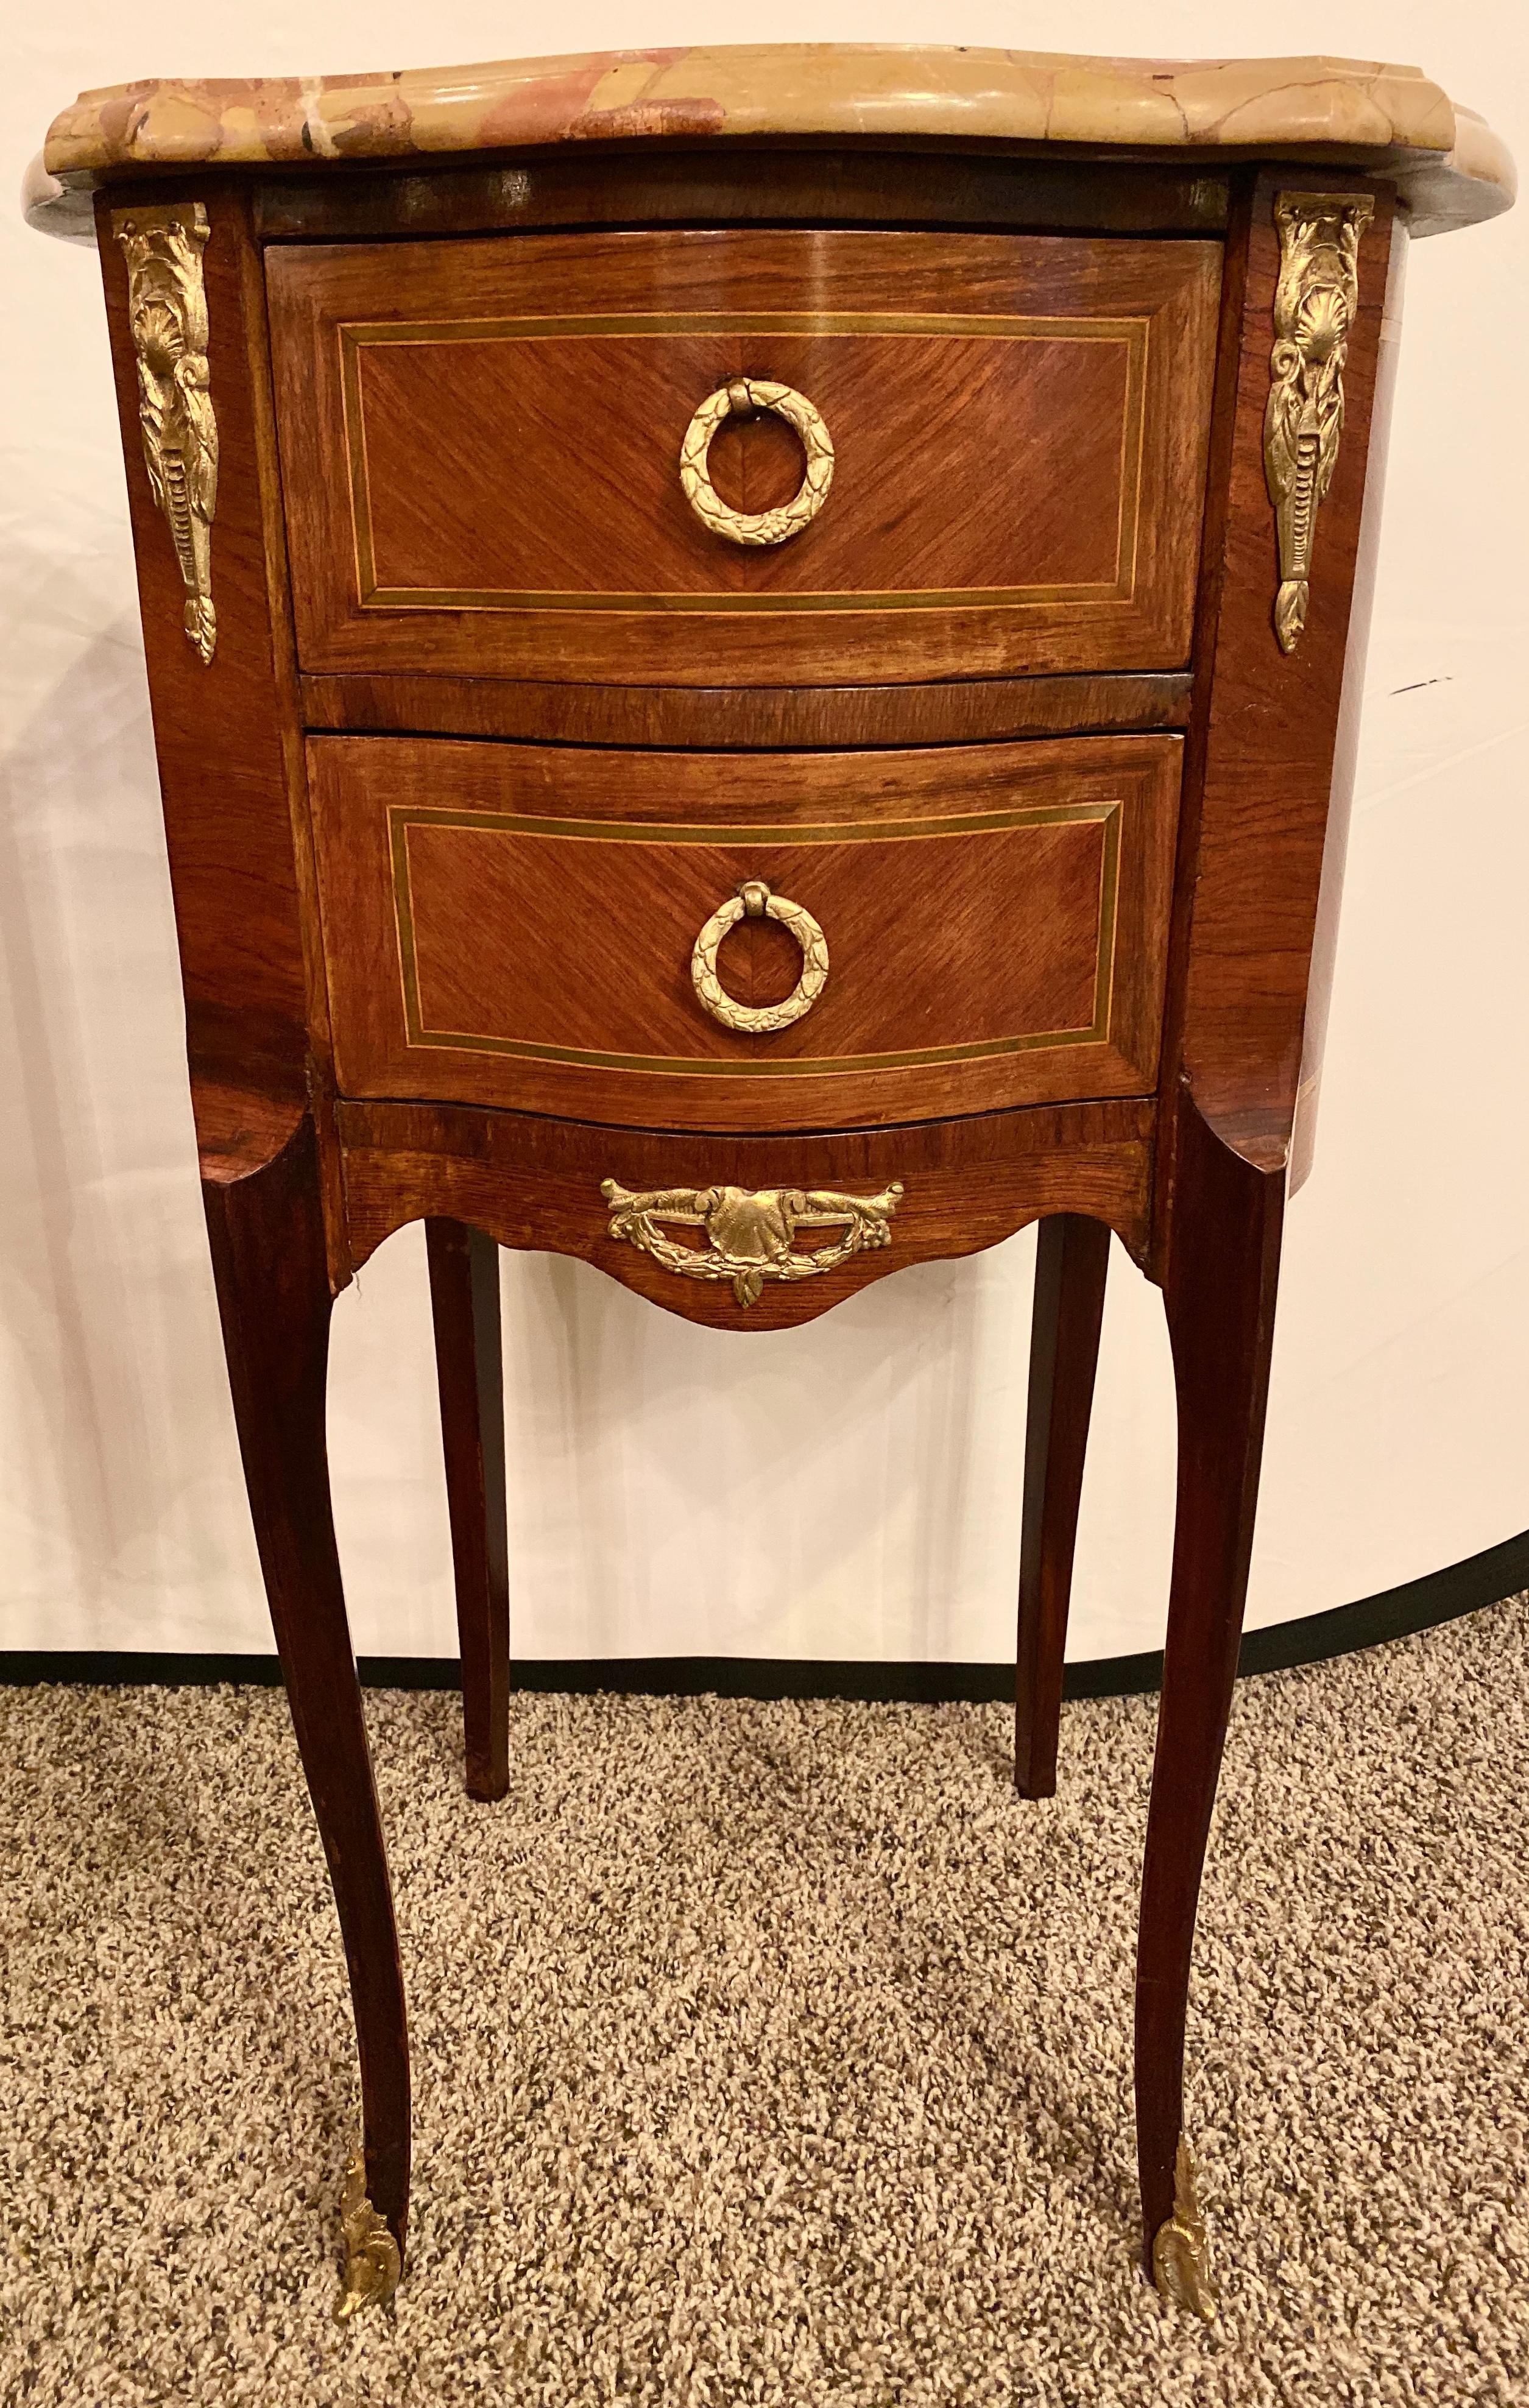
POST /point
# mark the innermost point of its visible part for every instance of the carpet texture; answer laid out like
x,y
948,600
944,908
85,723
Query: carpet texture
x,y
772,2054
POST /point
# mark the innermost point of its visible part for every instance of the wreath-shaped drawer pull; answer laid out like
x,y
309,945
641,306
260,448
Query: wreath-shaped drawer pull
x,y
744,397
754,900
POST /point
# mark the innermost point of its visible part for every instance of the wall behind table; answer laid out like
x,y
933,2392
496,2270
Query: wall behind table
x,y
849,1489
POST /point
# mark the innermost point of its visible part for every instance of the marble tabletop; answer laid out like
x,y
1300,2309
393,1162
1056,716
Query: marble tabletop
x,y
1449,165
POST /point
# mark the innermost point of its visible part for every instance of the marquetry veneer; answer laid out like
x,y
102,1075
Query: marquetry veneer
x,y
757,701
483,438
515,925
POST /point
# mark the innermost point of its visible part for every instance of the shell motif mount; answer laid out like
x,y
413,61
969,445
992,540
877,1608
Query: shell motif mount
x,y
754,900
744,397
372,2260
1314,304
1180,2253
168,319
750,1233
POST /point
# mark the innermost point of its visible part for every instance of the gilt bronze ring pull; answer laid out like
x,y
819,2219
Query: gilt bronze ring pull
x,y
742,397
754,901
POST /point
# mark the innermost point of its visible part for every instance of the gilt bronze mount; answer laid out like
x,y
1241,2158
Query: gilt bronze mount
x,y
1180,2252
752,1235
167,314
1314,306
372,2260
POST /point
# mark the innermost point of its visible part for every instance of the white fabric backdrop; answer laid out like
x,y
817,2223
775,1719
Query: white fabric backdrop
x,y
849,1489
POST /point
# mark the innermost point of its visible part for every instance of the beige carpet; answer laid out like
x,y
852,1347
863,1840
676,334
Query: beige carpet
x,y
772,2054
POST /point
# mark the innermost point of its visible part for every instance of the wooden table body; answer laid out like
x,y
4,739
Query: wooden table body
x,y
475,735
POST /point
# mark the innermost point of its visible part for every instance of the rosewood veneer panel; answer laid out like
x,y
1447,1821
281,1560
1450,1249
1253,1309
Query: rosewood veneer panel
x,y
741,183
534,1182
962,711
515,924
1260,761
225,731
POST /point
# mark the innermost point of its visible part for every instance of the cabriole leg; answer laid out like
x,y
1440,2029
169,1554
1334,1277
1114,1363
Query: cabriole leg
x,y
1219,1290
267,1232
469,1367
1072,1260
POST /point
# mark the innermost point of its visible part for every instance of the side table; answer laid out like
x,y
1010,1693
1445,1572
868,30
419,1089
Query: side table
x,y
754,657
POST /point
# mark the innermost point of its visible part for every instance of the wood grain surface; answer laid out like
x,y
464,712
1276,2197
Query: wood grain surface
x,y
470,1378
534,1183
266,1233
1222,1275
1072,1262
1260,753
958,711
1323,956
884,183
229,777
480,444
515,924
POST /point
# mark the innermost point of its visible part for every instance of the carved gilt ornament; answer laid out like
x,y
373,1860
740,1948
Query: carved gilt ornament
x,y
1180,2253
167,317
752,1234
1314,306
372,2263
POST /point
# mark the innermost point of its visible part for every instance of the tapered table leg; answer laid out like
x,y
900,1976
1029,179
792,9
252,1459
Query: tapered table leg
x,y
1072,1260
1219,1290
469,1367
268,1239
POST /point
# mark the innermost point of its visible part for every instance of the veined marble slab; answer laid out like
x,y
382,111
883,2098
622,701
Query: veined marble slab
x,y
1449,165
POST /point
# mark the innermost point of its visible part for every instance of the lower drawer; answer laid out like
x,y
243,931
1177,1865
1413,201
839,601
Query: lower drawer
x,y
745,941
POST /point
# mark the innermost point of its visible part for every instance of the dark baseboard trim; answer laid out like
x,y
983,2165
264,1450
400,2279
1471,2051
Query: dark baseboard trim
x,y
1395,1613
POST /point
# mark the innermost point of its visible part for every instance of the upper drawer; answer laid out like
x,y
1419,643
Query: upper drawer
x,y
480,446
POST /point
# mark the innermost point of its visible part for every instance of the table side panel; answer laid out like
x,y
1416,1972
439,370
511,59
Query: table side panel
x,y
1261,748
225,729
1323,956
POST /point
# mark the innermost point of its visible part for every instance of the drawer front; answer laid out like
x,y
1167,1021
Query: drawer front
x,y
481,452
562,931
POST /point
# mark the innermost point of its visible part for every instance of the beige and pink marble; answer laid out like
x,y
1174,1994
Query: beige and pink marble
x,y
1362,108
